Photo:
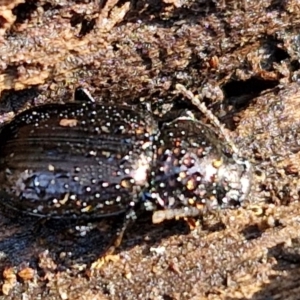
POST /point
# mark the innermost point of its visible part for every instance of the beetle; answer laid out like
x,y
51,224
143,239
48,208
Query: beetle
x,y
85,160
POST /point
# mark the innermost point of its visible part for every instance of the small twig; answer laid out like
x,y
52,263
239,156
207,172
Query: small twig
x,y
202,107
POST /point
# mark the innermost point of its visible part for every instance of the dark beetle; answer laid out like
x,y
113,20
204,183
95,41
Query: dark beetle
x,y
75,160
86,160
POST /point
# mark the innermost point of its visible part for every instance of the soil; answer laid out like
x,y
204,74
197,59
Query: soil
x,y
242,60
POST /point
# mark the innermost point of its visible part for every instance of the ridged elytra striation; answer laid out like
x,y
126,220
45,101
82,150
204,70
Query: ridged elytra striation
x,y
75,160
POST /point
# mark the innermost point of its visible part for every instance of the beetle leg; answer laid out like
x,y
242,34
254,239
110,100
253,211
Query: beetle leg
x,y
82,94
129,218
177,213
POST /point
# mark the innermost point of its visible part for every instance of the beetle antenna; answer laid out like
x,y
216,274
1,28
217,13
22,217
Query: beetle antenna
x,y
213,119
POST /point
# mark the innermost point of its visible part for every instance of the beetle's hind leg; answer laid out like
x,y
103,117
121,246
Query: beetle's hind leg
x,y
129,218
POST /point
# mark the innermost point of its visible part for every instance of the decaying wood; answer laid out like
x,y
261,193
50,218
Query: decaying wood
x,y
241,58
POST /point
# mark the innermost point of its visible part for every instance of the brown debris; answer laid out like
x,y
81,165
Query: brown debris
x,y
7,18
68,122
26,273
10,280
